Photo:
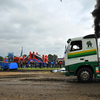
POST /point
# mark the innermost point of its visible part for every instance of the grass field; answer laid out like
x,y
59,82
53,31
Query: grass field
x,y
37,68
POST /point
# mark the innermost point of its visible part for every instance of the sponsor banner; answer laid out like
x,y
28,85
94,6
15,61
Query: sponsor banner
x,y
10,57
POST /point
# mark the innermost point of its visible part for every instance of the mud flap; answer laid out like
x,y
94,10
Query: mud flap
x,y
67,73
97,72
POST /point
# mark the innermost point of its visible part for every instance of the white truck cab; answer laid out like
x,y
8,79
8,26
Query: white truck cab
x,y
81,57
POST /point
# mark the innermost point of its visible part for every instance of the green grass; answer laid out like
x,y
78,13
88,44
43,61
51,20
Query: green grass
x,y
37,68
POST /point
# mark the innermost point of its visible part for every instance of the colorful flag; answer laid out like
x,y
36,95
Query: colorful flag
x,y
65,48
65,51
21,52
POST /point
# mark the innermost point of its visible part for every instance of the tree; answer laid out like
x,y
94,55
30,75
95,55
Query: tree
x,y
55,57
1,58
52,57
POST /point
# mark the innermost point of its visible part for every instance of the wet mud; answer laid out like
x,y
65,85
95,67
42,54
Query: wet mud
x,y
46,86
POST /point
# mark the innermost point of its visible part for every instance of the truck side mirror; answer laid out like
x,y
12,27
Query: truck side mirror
x,y
68,41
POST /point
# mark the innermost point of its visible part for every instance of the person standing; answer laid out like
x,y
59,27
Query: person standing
x,y
31,63
47,63
60,63
56,64
21,63
40,64
35,64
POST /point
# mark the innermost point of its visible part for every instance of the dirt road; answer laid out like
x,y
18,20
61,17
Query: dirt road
x,y
45,86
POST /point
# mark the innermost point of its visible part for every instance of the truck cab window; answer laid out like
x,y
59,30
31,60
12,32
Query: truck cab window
x,y
76,45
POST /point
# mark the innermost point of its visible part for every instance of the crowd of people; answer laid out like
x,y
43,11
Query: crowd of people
x,y
48,64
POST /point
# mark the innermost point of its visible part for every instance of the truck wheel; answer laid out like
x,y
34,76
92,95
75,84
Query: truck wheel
x,y
85,75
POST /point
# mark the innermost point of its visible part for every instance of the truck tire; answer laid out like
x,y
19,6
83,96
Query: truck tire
x,y
85,75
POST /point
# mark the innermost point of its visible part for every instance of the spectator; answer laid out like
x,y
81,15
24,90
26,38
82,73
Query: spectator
x,y
24,64
27,65
63,63
40,64
51,63
18,64
60,63
47,63
56,64
21,63
31,64
35,64
43,64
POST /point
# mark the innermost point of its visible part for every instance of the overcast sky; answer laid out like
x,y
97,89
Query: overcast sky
x,y
43,26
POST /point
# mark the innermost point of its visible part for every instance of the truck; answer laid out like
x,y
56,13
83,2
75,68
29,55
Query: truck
x,y
82,58
8,66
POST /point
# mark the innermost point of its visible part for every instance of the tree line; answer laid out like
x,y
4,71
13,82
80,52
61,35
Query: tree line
x,y
50,57
1,58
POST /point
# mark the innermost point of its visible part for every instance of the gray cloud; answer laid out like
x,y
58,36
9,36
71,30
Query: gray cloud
x,y
42,26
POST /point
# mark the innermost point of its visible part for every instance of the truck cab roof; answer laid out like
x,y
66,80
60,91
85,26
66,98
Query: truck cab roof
x,y
85,37
90,36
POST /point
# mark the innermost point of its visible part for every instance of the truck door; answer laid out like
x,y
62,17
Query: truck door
x,y
75,53
90,49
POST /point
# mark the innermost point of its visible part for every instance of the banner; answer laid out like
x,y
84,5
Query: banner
x,y
10,57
